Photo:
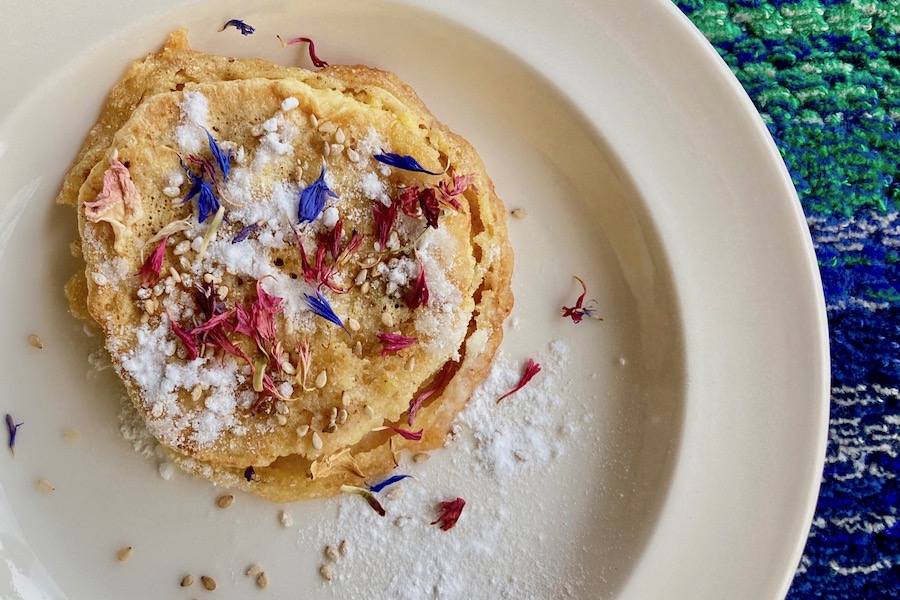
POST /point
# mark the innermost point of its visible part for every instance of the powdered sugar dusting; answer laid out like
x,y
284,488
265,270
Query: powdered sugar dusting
x,y
189,134
500,451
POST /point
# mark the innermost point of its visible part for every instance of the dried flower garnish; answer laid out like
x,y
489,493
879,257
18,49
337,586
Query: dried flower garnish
x,y
222,160
152,267
170,229
450,512
458,184
244,233
416,403
211,230
207,203
240,26
312,199
402,161
418,293
316,61
13,428
339,462
431,210
394,342
387,482
531,369
320,307
250,474
304,363
186,338
384,217
366,495
579,311
414,436
118,203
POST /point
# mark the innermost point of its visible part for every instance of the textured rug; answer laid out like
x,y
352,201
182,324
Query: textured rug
x,y
825,76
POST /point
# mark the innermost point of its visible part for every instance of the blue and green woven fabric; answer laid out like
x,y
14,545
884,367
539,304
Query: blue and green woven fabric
x,y
825,76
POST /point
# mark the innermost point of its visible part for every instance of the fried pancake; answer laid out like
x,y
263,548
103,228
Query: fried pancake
x,y
275,384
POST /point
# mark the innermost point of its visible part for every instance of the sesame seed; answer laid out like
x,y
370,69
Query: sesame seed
x,y
520,213
303,430
333,414
316,440
342,416
361,277
254,570
326,149
175,274
124,554
208,582
420,457
45,486
281,419
262,581
353,324
345,399
196,392
322,379
288,368
353,155
286,519
411,363
314,120
387,319
339,136
35,341
70,435
223,292
331,553
369,410
365,288
342,547
208,278
326,572
187,581
145,318
327,127
225,501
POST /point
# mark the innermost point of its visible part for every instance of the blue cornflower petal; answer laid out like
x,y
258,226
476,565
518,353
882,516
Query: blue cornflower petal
x,y
312,199
389,481
240,25
207,204
244,233
400,161
320,307
222,160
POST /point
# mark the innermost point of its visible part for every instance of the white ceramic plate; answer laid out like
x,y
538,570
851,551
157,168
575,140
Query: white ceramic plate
x,y
645,170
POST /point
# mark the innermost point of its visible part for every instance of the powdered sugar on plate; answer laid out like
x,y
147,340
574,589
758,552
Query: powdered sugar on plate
x,y
498,452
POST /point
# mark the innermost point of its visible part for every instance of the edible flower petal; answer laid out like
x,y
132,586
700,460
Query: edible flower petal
x,y
389,481
207,203
394,342
458,184
262,314
402,161
366,495
406,434
150,271
418,293
416,403
186,338
250,474
312,199
450,512
384,217
244,233
13,428
579,311
320,307
240,26
118,203
430,208
408,200
316,61
531,369
222,160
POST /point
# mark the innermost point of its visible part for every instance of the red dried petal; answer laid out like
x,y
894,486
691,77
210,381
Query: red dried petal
x,y
152,267
336,236
186,338
579,311
408,201
531,369
431,209
384,221
415,436
418,294
394,342
450,513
